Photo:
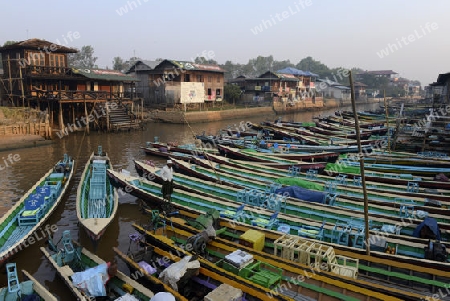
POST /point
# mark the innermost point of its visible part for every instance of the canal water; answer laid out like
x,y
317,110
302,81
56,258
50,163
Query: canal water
x,y
122,149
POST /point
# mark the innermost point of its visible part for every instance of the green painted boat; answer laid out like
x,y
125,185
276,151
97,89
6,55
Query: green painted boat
x,y
21,290
97,200
22,225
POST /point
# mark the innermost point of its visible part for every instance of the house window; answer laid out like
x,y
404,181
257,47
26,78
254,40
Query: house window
x,y
218,92
60,60
187,77
209,92
199,78
209,79
218,79
36,58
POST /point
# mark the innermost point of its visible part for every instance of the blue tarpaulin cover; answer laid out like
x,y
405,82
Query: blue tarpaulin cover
x,y
302,193
432,224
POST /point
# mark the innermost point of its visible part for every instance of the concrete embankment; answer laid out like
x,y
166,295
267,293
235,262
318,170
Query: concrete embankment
x,y
208,116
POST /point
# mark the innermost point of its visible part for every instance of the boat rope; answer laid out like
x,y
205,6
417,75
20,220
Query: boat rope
x,y
201,146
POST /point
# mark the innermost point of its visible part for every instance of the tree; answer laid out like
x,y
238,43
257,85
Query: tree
x,y
203,60
118,63
231,70
310,64
6,44
83,59
232,92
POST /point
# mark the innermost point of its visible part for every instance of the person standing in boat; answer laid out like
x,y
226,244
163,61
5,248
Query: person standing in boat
x,y
167,176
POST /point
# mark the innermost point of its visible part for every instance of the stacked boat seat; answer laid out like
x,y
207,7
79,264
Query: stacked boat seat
x,y
54,181
33,210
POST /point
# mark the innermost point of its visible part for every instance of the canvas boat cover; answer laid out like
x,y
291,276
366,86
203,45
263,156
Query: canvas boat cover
x,y
302,194
432,224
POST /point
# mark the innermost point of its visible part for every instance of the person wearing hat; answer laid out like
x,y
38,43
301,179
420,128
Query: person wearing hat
x,y
167,176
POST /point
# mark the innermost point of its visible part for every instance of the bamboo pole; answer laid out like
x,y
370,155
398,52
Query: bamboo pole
x,y
361,164
21,88
387,121
10,80
86,116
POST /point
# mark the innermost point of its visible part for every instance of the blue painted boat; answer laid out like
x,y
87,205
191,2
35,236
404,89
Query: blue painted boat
x,y
97,199
29,289
22,225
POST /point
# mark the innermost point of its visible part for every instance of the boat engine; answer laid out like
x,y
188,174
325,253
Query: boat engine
x,y
197,243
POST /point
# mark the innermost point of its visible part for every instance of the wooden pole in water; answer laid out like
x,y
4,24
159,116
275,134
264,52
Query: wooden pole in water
x,y
387,121
361,165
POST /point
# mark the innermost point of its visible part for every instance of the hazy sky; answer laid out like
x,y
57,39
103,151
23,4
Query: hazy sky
x,y
409,37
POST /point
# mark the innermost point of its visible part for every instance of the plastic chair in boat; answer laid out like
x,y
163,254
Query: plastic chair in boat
x,y
311,173
266,223
68,248
412,187
330,198
13,280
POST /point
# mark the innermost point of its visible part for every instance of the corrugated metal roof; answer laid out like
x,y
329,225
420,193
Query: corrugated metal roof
x,y
38,44
342,87
148,65
193,66
107,75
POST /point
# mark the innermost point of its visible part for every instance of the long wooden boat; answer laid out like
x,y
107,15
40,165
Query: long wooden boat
x,y
140,264
191,149
291,257
23,223
353,172
411,275
97,200
395,168
392,196
407,246
21,290
278,151
258,279
72,259
210,275
329,174
337,211
311,139
281,163
333,127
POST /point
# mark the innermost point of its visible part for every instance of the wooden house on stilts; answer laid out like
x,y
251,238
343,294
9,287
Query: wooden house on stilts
x,y
37,75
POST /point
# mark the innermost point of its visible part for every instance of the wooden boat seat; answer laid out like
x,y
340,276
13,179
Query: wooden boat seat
x,y
330,187
266,223
406,211
271,188
294,171
341,179
330,198
34,209
232,213
311,174
311,232
412,187
13,280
